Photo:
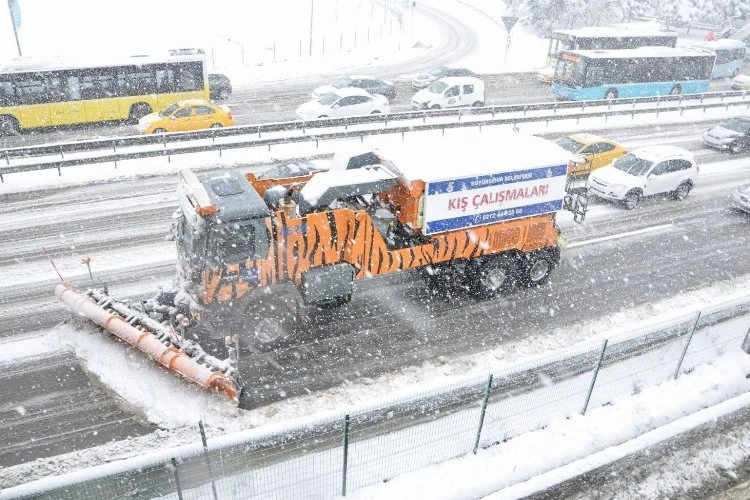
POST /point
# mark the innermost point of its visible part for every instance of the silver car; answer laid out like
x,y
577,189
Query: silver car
x,y
740,198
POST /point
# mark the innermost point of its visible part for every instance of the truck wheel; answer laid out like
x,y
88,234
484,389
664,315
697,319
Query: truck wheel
x,y
267,320
536,269
268,330
495,274
438,277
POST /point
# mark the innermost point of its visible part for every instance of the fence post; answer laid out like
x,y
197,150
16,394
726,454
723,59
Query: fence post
x,y
593,379
208,460
687,344
176,478
484,410
346,455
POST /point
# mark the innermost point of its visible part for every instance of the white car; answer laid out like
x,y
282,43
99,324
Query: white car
x,y
741,82
342,103
645,172
450,92
740,198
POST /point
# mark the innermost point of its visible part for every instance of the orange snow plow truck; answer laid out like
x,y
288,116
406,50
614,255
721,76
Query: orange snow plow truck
x,y
255,251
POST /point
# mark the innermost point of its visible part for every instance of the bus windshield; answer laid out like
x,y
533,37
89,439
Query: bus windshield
x,y
633,165
572,72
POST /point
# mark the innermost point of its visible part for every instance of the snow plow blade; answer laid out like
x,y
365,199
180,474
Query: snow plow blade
x,y
166,351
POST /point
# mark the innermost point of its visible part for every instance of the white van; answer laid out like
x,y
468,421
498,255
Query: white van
x,y
450,92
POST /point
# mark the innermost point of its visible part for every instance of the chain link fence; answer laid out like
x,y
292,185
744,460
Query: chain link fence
x,y
326,456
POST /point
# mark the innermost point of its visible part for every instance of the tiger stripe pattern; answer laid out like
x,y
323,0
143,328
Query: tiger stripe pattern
x,y
343,235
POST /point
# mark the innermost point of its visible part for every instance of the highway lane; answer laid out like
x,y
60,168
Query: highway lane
x,y
268,105
393,321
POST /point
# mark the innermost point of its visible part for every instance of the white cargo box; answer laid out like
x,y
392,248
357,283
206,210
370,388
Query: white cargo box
x,y
495,178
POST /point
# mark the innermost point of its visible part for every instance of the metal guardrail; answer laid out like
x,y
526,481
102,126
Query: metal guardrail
x,y
252,135
308,457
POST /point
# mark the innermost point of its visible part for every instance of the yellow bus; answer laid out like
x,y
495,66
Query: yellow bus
x,y
49,93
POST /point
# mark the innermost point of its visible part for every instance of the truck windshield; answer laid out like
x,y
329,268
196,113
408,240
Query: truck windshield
x,y
191,241
236,242
633,165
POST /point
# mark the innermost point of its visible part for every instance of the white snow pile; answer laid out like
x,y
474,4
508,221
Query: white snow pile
x,y
529,456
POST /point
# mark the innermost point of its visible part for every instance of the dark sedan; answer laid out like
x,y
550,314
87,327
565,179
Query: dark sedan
x,y
219,86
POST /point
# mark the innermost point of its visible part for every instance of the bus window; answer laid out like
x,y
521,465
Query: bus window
x,y
74,87
30,88
7,93
188,76
136,80
164,79
56,90
98,85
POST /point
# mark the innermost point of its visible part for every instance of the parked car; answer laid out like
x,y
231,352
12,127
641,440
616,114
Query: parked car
x,y
425,79
190,114
730,135
344,102
593,152
740,198
219,86
450,92
368,83
647,171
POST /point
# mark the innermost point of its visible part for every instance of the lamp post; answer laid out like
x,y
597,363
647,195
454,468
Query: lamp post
x,y
312,10
15,19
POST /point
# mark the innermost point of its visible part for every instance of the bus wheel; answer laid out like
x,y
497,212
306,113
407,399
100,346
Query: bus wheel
x,y
9,126
217,125
158,131
611,94
138,111
675,90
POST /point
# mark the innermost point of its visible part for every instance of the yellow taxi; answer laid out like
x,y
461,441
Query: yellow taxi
x,y
182,116
593,152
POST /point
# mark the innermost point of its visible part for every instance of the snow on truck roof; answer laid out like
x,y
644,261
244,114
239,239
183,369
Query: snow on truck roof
x,y
491,153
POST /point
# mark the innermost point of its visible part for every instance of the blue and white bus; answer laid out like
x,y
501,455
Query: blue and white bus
x,y
603,38
730,56
642,72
